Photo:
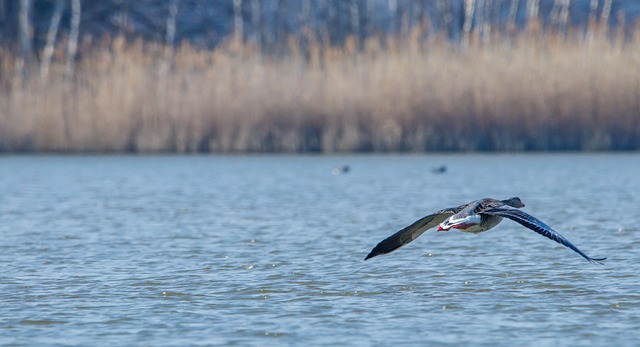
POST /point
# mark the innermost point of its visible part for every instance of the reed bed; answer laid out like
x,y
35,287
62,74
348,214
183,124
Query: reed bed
x,y
528,92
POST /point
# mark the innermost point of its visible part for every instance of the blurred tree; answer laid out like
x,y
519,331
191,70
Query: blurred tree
x,y
170,35
25,37
74,32
51,38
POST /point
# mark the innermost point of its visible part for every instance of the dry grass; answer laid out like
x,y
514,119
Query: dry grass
x,y
527,93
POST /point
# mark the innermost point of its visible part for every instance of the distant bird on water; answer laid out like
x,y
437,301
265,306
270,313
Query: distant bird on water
x,y
474,217
439,169
341,170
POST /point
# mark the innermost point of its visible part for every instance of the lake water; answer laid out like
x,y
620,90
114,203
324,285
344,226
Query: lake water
x,y
268,251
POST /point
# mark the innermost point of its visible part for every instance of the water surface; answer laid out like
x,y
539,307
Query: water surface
x,y
268,251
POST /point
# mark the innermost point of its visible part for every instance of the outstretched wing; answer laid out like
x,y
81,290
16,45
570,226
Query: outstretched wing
x,y
538,226
410,233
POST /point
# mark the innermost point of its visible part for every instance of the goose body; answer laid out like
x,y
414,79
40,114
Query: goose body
x,y
474,217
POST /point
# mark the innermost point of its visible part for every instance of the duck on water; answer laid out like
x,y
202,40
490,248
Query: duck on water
x,y
474,217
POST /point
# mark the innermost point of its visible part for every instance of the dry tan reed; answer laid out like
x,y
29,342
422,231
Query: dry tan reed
x,y
524,93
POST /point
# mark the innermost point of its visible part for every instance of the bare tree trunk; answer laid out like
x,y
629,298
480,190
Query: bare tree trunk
x,y
307,14
123,13
170,36
355,19
281,21
237,21
51,39
554,16
334,30
593,8
560,14
256,11
564,14
483,21
513,14
532,13
469,7
441,15
486,26
496,11
369,12
72,45
606,11
25,37
392,6
321,29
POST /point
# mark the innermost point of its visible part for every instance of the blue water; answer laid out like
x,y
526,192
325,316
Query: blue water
x,y
268,251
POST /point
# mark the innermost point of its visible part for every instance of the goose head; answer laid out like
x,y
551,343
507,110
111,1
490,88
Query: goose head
x,y
514,202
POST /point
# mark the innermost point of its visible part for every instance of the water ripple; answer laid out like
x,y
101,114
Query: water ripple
x,y
260,251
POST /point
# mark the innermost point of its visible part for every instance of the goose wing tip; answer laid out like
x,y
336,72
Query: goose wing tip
x,y
373,253
599,261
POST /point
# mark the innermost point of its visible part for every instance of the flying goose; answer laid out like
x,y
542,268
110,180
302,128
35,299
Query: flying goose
x,y
474,217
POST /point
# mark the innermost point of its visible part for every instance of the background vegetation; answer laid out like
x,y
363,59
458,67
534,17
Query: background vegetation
x,y
486,81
